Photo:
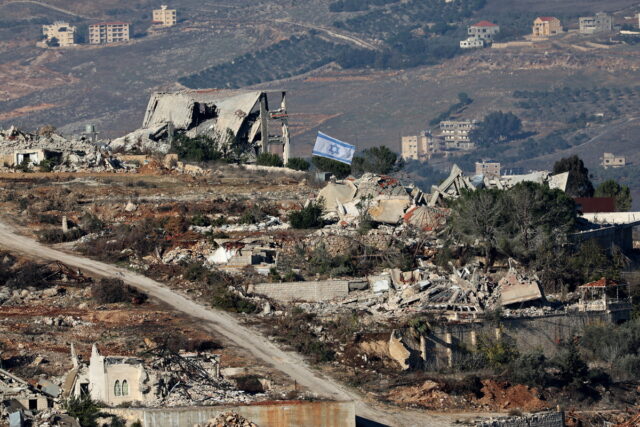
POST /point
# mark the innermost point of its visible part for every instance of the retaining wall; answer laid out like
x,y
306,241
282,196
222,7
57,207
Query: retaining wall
x,y
268,414
302,291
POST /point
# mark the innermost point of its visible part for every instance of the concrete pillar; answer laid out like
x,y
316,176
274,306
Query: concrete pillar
x,y
498,332
474,339
65,224
286,138
264,123
423,348
448,338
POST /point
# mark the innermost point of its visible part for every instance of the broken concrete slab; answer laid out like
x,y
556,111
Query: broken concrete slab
x,y
335,194
515,289
389,211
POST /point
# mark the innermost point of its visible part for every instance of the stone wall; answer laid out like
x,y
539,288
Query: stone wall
x,y
302,291
266,414
544,419
446,342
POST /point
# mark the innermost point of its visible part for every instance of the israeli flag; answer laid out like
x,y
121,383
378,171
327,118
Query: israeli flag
x,y
334,149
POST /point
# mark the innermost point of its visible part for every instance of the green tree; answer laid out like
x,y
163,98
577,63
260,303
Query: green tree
x,y
572,368
477,216
579,184
620,193
298,163
378,160
84,409
269,159
199,149
496,127
308,217
536,215
338,169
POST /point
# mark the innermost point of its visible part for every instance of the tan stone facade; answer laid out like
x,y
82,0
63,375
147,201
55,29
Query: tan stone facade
x,y
545,26
164,17
64,33
108,32
420,147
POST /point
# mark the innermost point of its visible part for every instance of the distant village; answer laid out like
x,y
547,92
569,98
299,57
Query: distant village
x,y
62,34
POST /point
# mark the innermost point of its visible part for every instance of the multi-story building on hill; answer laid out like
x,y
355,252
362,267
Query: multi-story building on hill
x,y
60,32
601,23
420,147
611,161
545,26
480,34
108,32
488,168
164,17
456,134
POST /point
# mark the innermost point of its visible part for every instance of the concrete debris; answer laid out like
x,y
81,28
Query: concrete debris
x,y
19,148
515,288
452,187
163,378
224,115
228,419
464,294
271,223
383,199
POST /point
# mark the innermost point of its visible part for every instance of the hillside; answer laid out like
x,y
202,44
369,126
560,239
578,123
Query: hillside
x,y
109,86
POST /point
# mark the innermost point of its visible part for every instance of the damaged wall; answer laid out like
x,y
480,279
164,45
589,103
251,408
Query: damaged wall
x,y
274,414
307,291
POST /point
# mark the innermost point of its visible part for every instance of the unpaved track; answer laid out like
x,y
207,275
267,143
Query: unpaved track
x,y
224,324
48,6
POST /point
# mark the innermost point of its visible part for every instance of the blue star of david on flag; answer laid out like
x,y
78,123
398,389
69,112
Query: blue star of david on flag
x,y
334,149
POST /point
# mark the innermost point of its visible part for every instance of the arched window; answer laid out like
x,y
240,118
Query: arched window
x,y
116,389
125,388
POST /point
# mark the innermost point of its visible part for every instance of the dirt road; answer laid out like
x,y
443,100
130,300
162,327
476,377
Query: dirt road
x,y
48,6
224,324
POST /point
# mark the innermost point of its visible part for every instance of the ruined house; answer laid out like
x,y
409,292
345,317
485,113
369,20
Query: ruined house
x,y
457,182
246,115
117,380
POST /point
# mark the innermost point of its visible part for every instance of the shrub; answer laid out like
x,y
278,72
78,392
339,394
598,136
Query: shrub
x,y
109,291
230,301
56,235
199,149
298,163
497,352
338,169
308,217
84,409
250,384
200,220
572,369
269,159
529,369
28,274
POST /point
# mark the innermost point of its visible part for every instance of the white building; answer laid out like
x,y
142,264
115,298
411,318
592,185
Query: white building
x,y
164,17
60,31
601,23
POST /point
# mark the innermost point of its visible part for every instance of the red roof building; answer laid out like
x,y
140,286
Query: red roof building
x,y
484,24
595,204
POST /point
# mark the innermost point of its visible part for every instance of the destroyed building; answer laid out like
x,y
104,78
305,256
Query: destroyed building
x,y
246,115
456,182
165,378
25,149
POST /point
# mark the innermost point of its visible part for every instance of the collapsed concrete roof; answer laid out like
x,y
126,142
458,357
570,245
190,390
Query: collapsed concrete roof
x,y
384,198
453,186
201,110
211,112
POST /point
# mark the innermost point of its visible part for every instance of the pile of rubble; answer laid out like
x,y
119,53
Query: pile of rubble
x,y
228,419
456,182
382,199
465,291
18,147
